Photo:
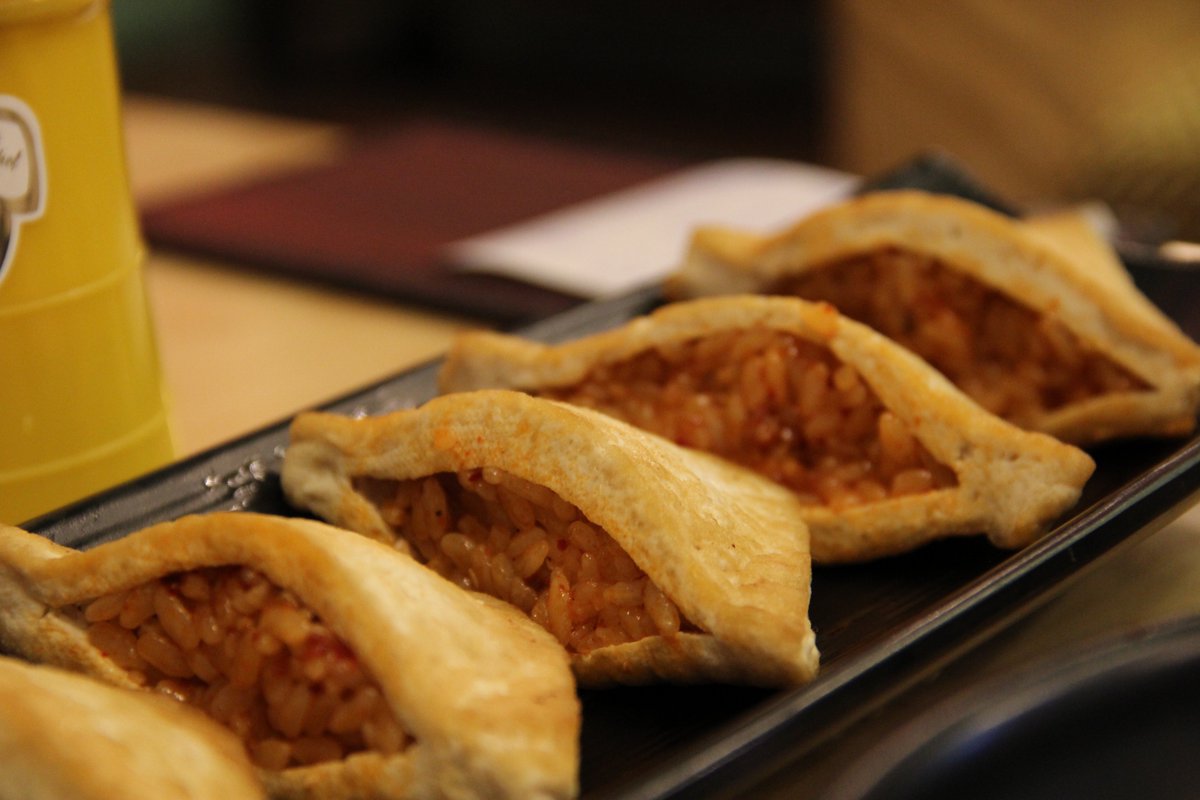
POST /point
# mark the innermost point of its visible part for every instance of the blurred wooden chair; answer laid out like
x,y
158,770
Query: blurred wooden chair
x,y
1045,102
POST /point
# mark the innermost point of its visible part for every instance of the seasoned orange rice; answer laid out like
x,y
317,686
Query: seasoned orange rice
x,y
1012,360
773,402
493,532
246,652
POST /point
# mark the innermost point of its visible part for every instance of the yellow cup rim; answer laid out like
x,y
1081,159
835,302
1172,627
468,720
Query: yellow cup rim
x,y
13,11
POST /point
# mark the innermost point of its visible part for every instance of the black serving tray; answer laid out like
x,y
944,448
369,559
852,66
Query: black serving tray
x,y
1119,719
881,627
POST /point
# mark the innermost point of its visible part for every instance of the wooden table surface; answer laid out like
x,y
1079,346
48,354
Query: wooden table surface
x,y
241,350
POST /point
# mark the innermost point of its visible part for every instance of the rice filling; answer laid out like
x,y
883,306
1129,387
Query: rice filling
x,y
493,532
247,653
773,402
1012,360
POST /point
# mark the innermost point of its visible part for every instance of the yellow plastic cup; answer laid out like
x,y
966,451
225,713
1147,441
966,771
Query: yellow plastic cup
x,y
81,399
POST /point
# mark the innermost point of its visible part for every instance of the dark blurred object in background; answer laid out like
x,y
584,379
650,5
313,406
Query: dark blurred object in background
x,y
1044,102
700,80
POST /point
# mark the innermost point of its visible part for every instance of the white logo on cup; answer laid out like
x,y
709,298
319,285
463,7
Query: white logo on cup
x,y
22,175
14,161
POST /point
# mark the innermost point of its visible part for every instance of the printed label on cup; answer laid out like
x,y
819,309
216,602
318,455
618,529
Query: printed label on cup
x,y
22,174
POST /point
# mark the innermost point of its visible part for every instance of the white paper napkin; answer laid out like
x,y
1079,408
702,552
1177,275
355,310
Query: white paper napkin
x,y
631,238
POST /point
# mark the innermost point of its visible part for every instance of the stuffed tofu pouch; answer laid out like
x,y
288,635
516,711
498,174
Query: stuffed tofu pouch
x,y
646,561
1039,323
66,735
883,452
346,669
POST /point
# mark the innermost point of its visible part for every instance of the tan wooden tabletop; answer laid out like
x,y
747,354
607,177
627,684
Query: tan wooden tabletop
x,y
241,349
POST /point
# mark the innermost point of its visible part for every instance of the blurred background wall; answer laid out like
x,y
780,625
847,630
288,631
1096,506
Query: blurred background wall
x,y
1044,101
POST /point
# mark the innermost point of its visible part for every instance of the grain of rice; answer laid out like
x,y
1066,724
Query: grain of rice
x,y
602,636
870,491
272,754
248,594
246,662
586,598
287,716
275,680
285,622
222,606
193,586
896,444
479,569
315,749
138,606
618,566
202,666
625,594
589,566
157,650
116,642
497,537
662,611
502,573
633,623
228,700
433,500
457,548
912,481
351,715
174,617
383,735
558,611
104,608
519,510
563,510
315,670
266,644
583,536
535,494
523,540
319,711
176,690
